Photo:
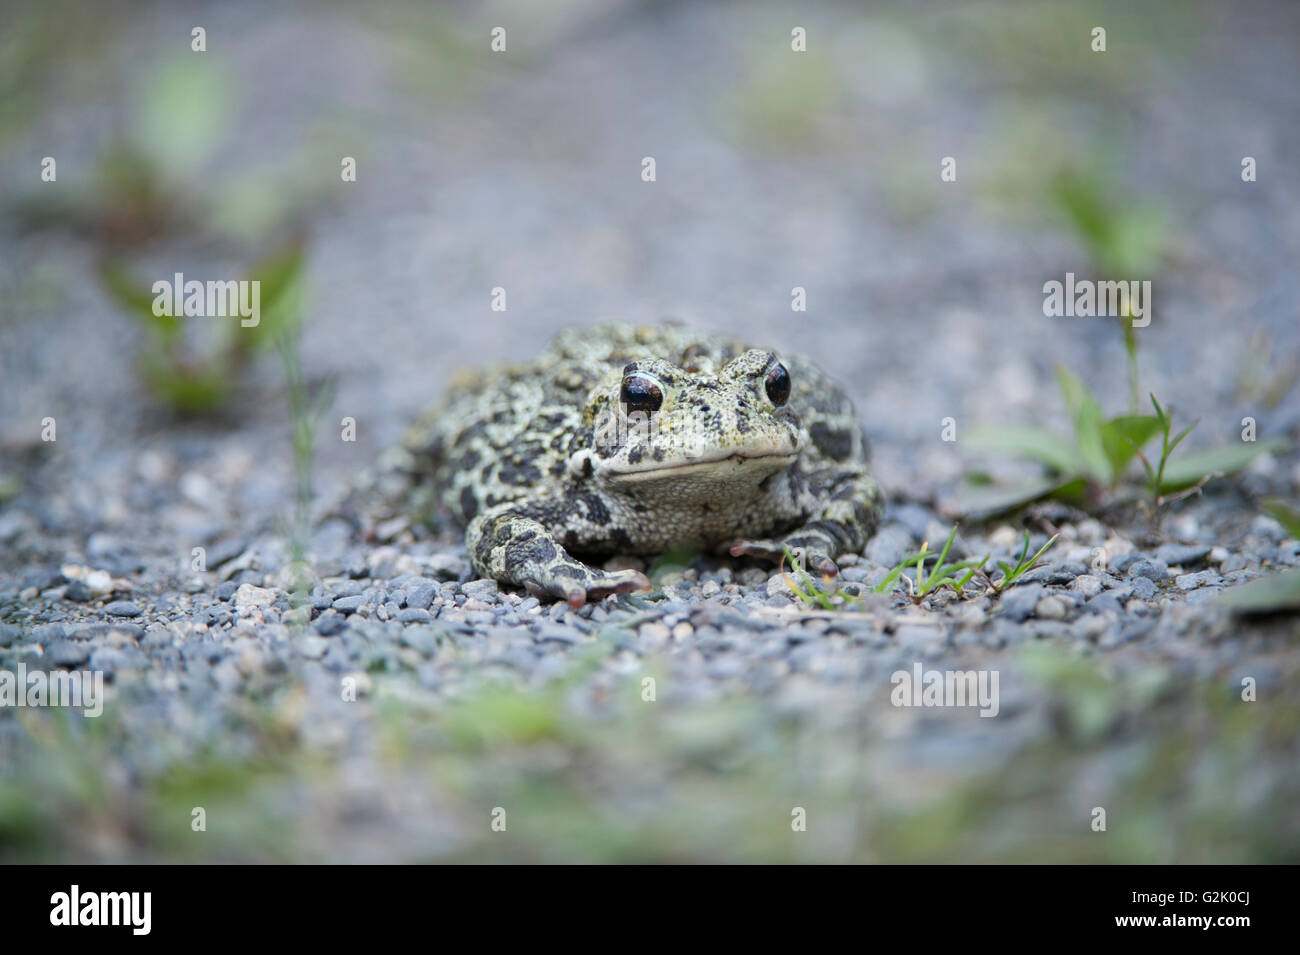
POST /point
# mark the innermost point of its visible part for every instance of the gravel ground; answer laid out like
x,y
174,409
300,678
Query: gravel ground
x,y
1114,653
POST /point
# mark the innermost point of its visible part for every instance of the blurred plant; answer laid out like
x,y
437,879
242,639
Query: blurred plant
x,y
783,101
1121,236
1268,373
307,407
193,378
161,174
1280,591
37,42
1097,457
673,561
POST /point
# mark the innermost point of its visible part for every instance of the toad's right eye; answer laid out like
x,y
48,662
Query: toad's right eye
x,y
641,393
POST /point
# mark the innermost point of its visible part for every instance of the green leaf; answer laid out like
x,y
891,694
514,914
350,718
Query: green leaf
x,y
280,297
1026,441
1190,468
132,296
1182,434
1138,241
670,562
1087,425
1266,595
184,112
987,500
1121,437
1160,412
1286,515
189,391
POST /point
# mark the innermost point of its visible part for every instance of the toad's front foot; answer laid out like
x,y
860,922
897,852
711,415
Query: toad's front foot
x,y
509,545
576,583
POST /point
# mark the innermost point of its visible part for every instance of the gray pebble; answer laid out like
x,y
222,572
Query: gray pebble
x,y
1193,581
122,608
1144,588
113,658
483,588
890,545
1183,554
419,596
1019,602
1152,569
1108,601
312,647
67,653
78,592
350,604
1051,607
329,623
1087,585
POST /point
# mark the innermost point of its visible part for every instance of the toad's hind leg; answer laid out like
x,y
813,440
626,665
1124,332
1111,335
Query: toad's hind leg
x,y
843,524
508,545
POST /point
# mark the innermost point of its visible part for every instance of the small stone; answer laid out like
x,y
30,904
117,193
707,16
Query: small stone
x,y
1050,608
1090,628
623,562
248,597
1182,554
483,588
1061,573
1019,602
312,647
654,635
226,590
1086,584
330,623
1110,601
1232,563
414,615
420,595
348,588
1155,570
78,592
778,587
67,653
349,604
1193,581
890,545
122,608
1144,588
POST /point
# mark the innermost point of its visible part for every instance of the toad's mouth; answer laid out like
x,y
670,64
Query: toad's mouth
x,y
719,465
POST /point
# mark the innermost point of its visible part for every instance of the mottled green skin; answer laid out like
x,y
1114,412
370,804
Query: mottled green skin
x,y
541,466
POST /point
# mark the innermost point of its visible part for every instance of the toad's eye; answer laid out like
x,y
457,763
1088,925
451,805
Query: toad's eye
x,y
641,394
778,385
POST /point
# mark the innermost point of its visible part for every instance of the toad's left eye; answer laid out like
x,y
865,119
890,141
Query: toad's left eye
x,y
641,393
778,385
